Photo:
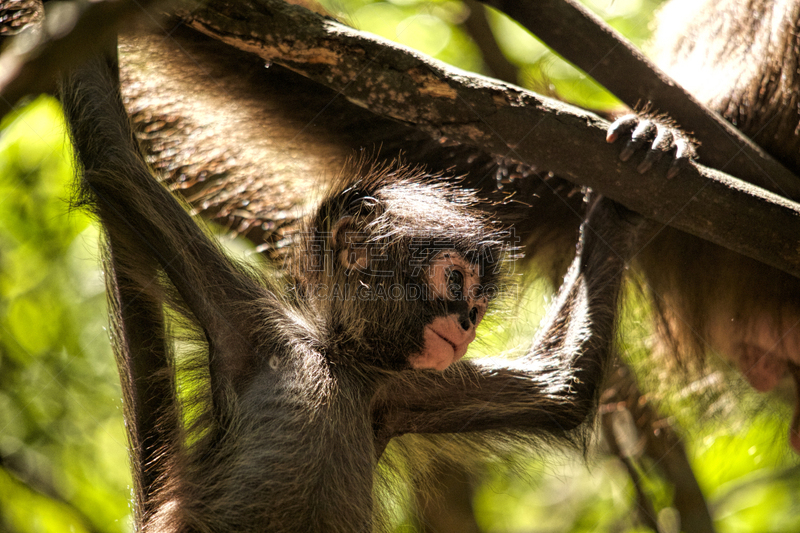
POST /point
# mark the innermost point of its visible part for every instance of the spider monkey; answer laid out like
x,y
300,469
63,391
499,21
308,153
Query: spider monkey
x,y
741,58
278,418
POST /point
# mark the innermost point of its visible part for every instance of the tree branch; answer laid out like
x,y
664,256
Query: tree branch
x,y
590,44
30,482
33,62
478,28
507,122
501,120
651,435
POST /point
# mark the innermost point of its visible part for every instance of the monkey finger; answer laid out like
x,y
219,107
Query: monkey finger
x,y
660,145
644,130
674,170
652,157
621,126
664,139
683,155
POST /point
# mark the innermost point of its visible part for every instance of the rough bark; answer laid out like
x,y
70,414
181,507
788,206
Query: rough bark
x,y
505,121
32,63
498,121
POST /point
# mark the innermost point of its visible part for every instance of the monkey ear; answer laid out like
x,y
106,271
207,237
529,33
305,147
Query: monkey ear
x,y
348,241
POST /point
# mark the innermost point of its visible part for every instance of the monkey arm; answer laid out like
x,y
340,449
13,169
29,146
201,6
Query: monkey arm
x,y
147,229
145,220
554,388
155,253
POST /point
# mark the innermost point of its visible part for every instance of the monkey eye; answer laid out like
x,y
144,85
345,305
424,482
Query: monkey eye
x,y
455,283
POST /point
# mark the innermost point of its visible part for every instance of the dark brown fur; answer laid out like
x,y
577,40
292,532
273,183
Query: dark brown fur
x,y
741,58
277,420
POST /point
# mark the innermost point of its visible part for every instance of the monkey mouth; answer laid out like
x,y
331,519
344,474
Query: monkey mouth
x,y
443,345
761,369
445,339
459,349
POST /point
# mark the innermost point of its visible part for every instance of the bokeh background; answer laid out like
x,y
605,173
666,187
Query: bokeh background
x,y
63,458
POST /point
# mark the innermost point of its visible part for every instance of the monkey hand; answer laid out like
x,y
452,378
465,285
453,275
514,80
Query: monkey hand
x,y
657,136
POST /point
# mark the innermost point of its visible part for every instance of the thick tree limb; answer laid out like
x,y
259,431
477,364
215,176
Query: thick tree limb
x,y
501,120
505,121
73,31
16,15
586,41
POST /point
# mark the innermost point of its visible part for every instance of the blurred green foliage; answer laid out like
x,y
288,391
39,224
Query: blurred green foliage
x,y
63,458
63,449
741,457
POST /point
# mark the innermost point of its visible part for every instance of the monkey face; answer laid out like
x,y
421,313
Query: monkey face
x,y
414,302
401,270
420,310
456,285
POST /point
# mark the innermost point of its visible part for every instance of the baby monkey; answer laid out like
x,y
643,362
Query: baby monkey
x,y
276,422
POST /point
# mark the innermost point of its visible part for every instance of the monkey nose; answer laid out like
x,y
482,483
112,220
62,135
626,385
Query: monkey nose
x,y
470,321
